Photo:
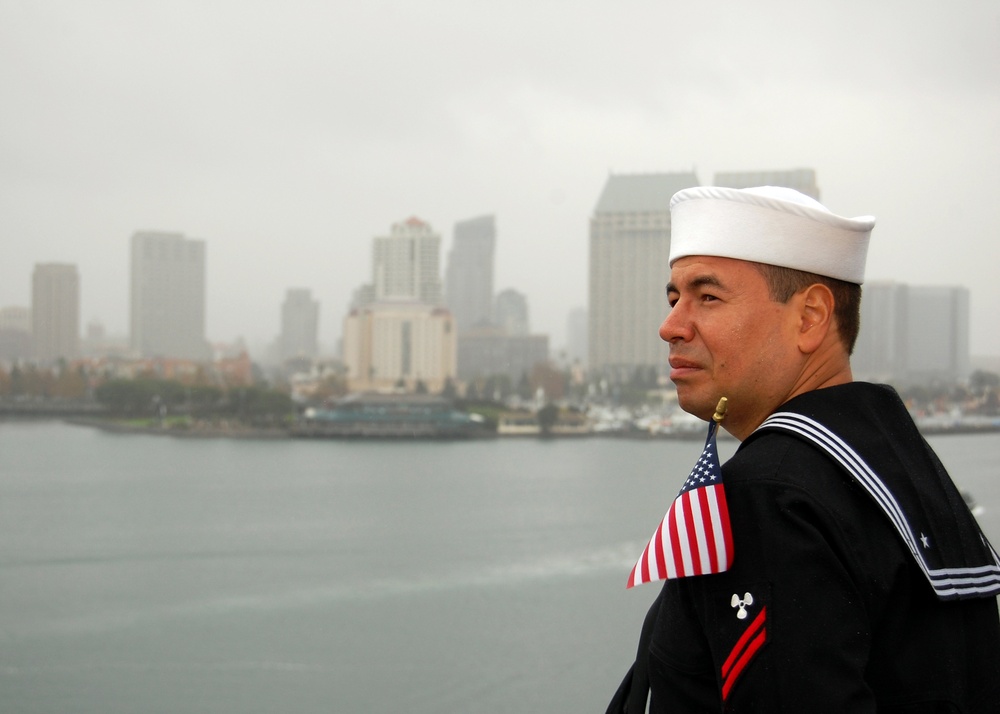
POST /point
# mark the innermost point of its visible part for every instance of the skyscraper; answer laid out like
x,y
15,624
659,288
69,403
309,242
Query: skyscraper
x,y
55,311
802,180
299,324
398,329
510,312
938,334
469,276
15,333
406,263
629,249
880,350
168,296
913,334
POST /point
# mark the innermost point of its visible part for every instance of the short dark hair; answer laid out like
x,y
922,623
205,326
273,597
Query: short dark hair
x,y
782,283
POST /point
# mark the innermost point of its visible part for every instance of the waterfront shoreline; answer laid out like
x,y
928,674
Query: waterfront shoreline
x,y
196,432
238,431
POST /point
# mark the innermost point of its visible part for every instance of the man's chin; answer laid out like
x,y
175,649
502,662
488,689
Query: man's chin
x,y
697,405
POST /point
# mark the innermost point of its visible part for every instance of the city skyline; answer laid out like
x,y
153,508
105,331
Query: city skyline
x,y
909,333
269,139
261,346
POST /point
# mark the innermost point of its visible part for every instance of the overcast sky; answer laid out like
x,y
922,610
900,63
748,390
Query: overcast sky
x,y
288,134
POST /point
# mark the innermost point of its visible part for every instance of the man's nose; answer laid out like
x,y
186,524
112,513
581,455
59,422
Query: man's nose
x,y
675,325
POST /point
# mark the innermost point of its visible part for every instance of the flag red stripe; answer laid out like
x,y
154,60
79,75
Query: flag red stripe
x,y
709,520
698,526
675,542
719,529
692,534
667,540
661,560
645,565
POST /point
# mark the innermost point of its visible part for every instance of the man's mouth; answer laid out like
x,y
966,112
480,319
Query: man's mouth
x,y
680,367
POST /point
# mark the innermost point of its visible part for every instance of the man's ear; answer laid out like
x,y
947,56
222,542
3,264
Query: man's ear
x,y
816,318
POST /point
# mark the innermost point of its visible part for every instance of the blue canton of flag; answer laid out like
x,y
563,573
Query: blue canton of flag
x,y
694,538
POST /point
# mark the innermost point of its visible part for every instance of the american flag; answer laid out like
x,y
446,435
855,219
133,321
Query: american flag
x,y
694,537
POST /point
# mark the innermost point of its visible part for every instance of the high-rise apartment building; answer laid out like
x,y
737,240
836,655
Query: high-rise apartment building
x,y
469,276
629,251
913,334
802,180
168,296
510,311
299,324
406,263
15,334
55,312
938,334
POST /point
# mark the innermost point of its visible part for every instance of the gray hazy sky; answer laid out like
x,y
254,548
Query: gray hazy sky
x,y
288,134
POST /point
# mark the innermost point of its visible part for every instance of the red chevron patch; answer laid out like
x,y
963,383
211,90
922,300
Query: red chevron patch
x,y
743,652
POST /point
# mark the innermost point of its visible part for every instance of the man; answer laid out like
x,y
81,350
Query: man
x,y
860,581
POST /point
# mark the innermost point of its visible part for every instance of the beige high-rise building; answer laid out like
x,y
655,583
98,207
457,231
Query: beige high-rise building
x,y
168,296
391,343
398,331
55,312
629,250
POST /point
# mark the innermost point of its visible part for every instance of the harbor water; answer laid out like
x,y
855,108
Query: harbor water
x,y
157,574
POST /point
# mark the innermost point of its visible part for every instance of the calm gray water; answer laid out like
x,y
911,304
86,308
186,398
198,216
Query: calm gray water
x,y
152,574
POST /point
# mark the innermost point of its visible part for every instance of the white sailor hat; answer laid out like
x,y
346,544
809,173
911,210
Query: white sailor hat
x,y
769,224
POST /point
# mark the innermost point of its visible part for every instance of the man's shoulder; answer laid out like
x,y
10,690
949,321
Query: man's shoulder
x,y
774,464
856,410
779,458
865,416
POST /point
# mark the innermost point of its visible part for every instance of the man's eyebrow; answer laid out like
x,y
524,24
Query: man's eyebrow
x,y
699,281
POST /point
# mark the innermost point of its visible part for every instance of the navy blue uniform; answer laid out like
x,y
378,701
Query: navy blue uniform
x,y
825,608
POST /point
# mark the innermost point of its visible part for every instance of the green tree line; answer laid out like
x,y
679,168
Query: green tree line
x,y
150,397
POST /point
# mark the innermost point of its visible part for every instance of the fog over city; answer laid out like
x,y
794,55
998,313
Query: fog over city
x,y
287,135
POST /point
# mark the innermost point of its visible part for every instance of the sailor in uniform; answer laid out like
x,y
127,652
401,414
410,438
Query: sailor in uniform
x,y
856,579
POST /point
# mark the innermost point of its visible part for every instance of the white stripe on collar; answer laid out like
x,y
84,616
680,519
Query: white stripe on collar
x,y
948,583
